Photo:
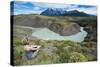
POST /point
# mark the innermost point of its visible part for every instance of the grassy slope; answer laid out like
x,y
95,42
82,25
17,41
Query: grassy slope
x,y
43,19
59,51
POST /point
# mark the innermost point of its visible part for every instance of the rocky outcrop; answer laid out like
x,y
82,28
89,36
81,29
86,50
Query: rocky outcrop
x,y
71,29
64,29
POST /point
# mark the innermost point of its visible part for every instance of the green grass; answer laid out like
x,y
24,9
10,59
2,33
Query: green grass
x,y
54,52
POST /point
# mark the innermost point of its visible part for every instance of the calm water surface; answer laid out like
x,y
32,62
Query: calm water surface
x,y
46,34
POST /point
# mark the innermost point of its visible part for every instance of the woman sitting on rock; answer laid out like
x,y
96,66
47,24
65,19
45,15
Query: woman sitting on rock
x,y
30,49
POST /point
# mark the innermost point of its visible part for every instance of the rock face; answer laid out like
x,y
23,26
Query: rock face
x,y
37,21
65,30
72,29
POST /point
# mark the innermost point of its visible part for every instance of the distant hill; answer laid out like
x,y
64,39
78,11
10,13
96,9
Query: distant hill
x,y
62,12
56,24
63,25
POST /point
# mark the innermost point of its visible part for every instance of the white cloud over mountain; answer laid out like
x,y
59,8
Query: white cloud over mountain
x,y
30,7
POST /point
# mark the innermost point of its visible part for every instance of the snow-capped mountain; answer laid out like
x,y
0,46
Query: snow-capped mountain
x,y
62,12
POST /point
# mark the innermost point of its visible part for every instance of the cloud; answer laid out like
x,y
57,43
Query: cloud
x,y
24,8
92,10
84,8
34,7
53,5
16,12
88,10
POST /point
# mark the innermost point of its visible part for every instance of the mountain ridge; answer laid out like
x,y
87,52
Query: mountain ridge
x,y
63,12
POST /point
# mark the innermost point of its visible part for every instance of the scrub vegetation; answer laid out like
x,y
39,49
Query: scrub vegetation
x,y
53,51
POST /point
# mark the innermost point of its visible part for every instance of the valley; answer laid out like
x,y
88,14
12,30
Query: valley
x,y
64,50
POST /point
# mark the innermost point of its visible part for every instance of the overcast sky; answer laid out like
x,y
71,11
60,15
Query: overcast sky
x,y
21,7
